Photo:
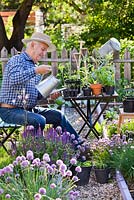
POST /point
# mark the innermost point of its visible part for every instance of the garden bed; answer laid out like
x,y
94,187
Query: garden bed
x,y
116,188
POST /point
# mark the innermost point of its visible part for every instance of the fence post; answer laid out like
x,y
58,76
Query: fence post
x,y
127,66
54,63
116,56
4,58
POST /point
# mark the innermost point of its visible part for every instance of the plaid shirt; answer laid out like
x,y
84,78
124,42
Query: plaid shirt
x,y
19,80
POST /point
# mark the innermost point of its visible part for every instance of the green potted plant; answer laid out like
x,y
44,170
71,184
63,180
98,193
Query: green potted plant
x,y
104,72
83,161
94,81
107,78
101,159
128,100
83,173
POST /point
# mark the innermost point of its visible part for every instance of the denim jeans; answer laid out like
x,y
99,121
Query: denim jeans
x,y
38,118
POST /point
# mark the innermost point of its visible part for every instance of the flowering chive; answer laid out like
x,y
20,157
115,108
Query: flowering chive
x,y
73,161
52,185
78,169
37,196
7,196
42,191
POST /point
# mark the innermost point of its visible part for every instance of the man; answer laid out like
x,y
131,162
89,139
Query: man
x,y
19,95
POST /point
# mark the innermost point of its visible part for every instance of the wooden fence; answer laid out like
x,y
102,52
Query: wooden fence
x,y
123,66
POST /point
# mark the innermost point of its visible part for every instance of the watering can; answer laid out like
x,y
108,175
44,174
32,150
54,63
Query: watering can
x,y
111,45
46,86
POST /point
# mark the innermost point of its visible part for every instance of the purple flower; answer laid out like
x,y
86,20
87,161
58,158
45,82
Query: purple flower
x,y
8,169
7,196
69,173
29,155
18,159
59,129
25,163
75,178
73,136
37,196
59,162
63,167
42,191
52,185
15,163
36,162
2,172
73,161
1,191
46,157
23,158
75,141
50,169
78,169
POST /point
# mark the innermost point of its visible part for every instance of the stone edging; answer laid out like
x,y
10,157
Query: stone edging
x,y
123,186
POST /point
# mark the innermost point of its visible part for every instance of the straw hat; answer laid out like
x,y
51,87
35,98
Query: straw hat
x,y
40,37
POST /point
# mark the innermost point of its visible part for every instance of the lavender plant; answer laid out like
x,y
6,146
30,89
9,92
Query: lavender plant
x,y
32,178
55,142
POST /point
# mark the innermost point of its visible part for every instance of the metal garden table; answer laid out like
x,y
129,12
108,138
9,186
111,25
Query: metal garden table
x,y
89,119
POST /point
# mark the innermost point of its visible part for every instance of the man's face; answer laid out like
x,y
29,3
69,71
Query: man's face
x,y
40,50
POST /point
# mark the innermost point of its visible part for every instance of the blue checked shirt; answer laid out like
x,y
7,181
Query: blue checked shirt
x,y
19,80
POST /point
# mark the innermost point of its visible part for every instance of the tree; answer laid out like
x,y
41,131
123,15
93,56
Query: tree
x,y
100,20
19,22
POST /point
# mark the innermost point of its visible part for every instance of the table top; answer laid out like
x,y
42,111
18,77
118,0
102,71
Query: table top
x,y
99,97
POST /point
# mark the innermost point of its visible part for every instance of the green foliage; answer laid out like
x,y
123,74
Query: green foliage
x,y
87,163
111,114
54,142
121,87
29,178
5,158
94,22
123,160
128,129
112,129
100,153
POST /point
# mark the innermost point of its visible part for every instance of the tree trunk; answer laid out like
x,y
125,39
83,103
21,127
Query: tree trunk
x,y
19,22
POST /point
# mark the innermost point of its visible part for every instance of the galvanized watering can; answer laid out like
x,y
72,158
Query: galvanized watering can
x,y
46,86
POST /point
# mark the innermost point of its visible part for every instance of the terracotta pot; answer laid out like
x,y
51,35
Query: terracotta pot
x,y
96,89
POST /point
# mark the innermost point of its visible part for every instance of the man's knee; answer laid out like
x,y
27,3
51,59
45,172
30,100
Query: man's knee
x,y
39,122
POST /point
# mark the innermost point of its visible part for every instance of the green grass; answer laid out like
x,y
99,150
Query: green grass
x,y
5,159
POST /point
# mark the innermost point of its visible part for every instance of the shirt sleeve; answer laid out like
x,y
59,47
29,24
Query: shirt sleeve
x,y
20,71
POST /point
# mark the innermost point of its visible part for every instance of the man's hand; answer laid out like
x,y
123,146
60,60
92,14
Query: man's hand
x,y
43,69
55,95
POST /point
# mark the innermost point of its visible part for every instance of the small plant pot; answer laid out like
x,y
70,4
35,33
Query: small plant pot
x,y
128,105
86,91
70,92
73,84
96,89
84,175
109,90
102,175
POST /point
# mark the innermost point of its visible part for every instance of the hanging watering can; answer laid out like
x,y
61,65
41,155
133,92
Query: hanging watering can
x,y
111,45
46,86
